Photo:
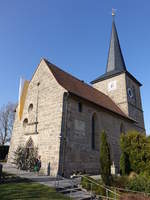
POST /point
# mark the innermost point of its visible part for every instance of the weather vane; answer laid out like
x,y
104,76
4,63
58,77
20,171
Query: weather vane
x,y
113,12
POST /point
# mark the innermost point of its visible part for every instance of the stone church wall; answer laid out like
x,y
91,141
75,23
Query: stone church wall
x,y
132,107
118,94
135,104
79,154
50,100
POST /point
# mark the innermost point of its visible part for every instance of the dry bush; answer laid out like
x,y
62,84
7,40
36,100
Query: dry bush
x,y
134,197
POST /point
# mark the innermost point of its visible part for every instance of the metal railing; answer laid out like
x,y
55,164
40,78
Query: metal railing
x,y
104,187
131,191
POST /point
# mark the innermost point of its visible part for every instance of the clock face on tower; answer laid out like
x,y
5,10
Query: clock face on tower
x,y
130,93
112,86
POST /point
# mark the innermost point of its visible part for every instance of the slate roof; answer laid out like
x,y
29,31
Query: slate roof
x,y
83,90
115,62
115,73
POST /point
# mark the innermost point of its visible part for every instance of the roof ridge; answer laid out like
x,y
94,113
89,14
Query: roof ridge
x,y
82,82
64,71
84,90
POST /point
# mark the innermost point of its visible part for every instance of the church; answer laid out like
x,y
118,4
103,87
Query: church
x,y
64,116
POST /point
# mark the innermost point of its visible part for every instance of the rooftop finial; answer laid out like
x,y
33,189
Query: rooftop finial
x,y
113,12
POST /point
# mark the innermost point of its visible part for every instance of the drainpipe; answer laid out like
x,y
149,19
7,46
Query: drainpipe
x,y
65,130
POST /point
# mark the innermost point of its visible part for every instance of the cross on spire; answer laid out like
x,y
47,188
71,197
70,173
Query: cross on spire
x,y
113,12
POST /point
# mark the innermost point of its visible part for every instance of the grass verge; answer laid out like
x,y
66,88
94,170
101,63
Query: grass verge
x,y
15,188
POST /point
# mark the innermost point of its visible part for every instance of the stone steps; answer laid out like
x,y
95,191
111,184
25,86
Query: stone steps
x,y
75,192
68,191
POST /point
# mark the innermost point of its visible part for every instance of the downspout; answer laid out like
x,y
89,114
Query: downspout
x,y
65,130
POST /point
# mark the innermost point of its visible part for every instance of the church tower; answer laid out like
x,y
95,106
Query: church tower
x,y
121,86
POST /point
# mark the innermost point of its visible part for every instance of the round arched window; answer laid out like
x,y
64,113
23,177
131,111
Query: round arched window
x,y
122,128
25,122
30,108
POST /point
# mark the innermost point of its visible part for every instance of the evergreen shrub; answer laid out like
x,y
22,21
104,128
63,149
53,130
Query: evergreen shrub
x,y
105,161
124,164
137,147
140,183
25,158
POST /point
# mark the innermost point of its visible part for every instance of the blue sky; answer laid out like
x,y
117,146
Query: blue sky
x,y
75,35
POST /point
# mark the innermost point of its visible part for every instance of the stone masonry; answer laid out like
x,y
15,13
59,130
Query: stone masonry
x,y
131,106
79,156
50,103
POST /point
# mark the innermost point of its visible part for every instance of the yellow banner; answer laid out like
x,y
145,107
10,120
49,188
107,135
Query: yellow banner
x,y
22,96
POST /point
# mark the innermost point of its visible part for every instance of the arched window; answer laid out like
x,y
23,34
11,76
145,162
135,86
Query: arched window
x,y
29,143
25,122
80,107
122,128
94,133
30,108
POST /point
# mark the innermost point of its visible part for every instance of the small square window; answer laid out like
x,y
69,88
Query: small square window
x,y
80,107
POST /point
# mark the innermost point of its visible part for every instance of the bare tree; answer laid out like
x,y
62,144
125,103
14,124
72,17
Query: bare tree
x,y
7,116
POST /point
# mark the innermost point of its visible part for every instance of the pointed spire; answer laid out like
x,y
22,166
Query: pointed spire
x,y
115,60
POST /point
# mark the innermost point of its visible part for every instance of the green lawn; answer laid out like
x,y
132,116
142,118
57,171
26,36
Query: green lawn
x,y
23,189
